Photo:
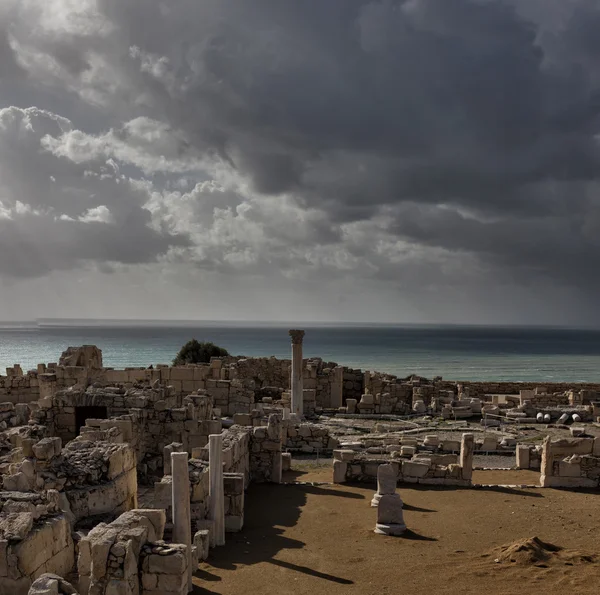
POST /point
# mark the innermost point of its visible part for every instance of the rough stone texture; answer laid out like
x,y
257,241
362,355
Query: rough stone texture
x,y
387,476
390,520
52,584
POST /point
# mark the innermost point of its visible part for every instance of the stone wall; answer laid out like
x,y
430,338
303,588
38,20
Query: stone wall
x,y
148,418
35,538
352,467
570,463
237,469
96,478
129,557
307,438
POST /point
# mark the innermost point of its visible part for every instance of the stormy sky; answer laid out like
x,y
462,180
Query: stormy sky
x,y
344,160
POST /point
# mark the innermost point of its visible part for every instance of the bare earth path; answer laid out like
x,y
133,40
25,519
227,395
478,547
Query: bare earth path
x,y
302,539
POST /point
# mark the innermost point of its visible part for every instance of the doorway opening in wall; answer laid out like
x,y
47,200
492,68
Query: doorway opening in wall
x,y
84,413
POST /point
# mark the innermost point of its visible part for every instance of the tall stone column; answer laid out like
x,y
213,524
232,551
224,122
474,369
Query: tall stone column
x,y
216,493
297,384
337,387
182,521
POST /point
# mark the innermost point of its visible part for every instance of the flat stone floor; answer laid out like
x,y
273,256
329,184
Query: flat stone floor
x,y
307,540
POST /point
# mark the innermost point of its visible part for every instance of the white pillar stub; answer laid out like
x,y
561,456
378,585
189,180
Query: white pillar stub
x,y
182,521
216,493
297,380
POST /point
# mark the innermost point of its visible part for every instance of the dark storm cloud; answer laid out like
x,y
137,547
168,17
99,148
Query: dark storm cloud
x,y
470,125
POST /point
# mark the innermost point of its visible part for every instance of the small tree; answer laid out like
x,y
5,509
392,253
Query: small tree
x,y
194,352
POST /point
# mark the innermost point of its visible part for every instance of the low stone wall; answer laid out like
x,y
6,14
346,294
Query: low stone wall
x,y
307,438
571,463
35,538
352,467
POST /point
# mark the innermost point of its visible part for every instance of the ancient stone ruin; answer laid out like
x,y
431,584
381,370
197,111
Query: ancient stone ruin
x,y
122,481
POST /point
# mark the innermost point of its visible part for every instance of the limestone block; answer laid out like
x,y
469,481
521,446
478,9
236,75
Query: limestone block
x,y
242,419
451,445
202,543
16,525
339,471
523,456
387,477
411,469
390,519
351,405
47,448
345,455
286,461
568,469
548,481
569,446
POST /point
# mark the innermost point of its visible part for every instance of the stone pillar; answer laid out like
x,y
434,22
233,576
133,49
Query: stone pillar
x,y
286,413
467,446
523,456
216,495
337,387
547,463
387,477
390,520
297,384
182,521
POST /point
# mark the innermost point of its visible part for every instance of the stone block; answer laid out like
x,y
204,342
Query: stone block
x,y
566,469
339,471
411,469
344,455
242,419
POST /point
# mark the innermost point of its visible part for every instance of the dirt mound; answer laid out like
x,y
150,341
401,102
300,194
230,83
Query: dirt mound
x,y
535,552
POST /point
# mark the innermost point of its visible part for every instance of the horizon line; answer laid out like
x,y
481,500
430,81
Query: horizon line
x,y
277,323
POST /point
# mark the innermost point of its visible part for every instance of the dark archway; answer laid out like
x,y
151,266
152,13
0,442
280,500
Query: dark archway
x,y
89,412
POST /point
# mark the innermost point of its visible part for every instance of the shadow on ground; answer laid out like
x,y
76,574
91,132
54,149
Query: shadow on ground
x,y
269,509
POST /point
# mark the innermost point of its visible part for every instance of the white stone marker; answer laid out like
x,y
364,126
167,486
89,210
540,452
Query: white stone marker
x,y
390,520
182,521
216,493
467,445
386,483
297,383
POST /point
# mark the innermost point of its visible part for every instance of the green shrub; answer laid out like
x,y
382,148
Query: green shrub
x,y
194,352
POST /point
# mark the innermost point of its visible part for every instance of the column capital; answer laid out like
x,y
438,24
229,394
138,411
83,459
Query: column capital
x,y
296,336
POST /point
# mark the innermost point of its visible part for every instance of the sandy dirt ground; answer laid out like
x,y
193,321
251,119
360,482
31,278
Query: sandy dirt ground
x,y
303,539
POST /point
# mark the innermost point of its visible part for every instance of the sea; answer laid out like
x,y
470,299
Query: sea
x,y
453,352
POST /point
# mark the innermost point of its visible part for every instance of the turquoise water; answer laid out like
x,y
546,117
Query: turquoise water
x,y
468,353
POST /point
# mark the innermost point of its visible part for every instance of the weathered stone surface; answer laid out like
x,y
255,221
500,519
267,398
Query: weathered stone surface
x,y
387,476
390,520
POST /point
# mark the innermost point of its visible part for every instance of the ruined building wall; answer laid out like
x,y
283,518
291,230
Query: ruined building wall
x,y
35,538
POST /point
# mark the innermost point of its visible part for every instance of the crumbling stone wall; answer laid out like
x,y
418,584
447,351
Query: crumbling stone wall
x,y
265,452
96,478
129,557
35,538
149,418
352,466
571,462
307,438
